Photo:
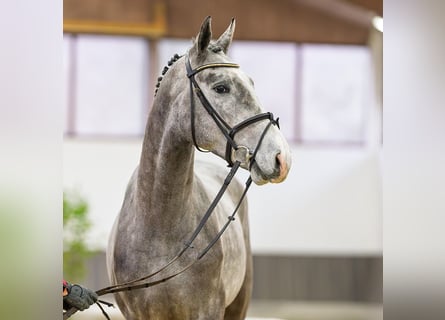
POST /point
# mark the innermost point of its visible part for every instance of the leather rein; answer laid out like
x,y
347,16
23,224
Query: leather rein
x,y
235,156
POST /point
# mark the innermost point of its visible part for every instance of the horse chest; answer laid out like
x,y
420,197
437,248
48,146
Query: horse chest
x,y
233,265
231,248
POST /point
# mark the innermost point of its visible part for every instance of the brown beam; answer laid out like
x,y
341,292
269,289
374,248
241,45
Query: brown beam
x,y
344,10
310,21
284,20
143,18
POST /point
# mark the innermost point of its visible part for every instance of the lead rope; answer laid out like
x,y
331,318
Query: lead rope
x,y
188,243
127,286
229,178
236,165
102,309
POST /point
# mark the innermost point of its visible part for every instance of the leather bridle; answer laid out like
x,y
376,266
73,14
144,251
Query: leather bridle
x,y
233,150
236,155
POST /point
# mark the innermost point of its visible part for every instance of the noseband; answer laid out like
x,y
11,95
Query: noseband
x,y
233,151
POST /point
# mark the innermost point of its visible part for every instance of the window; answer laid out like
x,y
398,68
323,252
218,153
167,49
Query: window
x,y
322,93
274,69
108,88
336,93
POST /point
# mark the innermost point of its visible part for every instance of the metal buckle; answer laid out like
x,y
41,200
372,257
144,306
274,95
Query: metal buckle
x,y
241,154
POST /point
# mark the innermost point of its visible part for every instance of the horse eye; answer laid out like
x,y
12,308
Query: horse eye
x,y
221,89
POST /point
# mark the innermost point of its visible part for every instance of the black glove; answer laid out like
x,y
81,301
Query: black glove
x,y
79,297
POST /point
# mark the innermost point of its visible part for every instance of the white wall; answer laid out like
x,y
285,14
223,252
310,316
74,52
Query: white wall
x,y
330,203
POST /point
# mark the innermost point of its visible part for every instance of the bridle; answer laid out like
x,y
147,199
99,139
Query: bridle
x,y
236,155
233,150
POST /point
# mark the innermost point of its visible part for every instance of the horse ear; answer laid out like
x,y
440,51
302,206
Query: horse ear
x,y
204,36
226,38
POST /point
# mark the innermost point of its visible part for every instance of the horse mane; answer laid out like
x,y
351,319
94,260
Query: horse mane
x,y
212,47
164,71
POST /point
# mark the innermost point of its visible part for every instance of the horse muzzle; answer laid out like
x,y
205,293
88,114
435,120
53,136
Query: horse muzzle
x,y
262,174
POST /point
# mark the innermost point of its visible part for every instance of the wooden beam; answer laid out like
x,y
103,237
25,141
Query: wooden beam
x,y
284,20
117,24
344,10
375,6
309,21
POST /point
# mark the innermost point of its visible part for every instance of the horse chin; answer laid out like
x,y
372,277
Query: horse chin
x,y
260,177
257,177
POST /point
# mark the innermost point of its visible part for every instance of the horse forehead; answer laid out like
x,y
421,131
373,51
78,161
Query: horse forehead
x,y
235,75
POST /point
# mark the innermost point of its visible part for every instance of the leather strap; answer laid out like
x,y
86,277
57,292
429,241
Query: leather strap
x,y
224,127
136,284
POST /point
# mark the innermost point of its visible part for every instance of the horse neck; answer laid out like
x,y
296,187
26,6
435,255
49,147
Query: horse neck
x,y
165,174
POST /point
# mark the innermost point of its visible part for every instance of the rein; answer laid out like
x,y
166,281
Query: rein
x,y
241,154
136,284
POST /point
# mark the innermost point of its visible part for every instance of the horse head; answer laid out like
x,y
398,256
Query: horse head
x,y
224,114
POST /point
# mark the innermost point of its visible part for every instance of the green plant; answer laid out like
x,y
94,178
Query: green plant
x,y
75,227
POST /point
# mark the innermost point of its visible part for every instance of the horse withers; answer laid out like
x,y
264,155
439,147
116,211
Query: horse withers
x,y
205,101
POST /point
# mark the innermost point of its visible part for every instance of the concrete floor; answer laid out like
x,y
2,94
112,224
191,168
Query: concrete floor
x,y
278,310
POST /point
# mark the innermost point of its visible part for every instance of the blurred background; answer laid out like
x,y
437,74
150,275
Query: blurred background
x,y
317,64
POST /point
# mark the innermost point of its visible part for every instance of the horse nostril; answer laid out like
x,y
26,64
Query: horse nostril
x,y
278,160
281,167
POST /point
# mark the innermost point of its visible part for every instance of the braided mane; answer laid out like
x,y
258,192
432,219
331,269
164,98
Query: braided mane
x,y
164,71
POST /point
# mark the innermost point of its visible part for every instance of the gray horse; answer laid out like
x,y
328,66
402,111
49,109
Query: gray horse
x,y
169,193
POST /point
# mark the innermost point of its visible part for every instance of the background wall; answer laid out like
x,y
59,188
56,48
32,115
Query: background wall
x,y
317,236
329,204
